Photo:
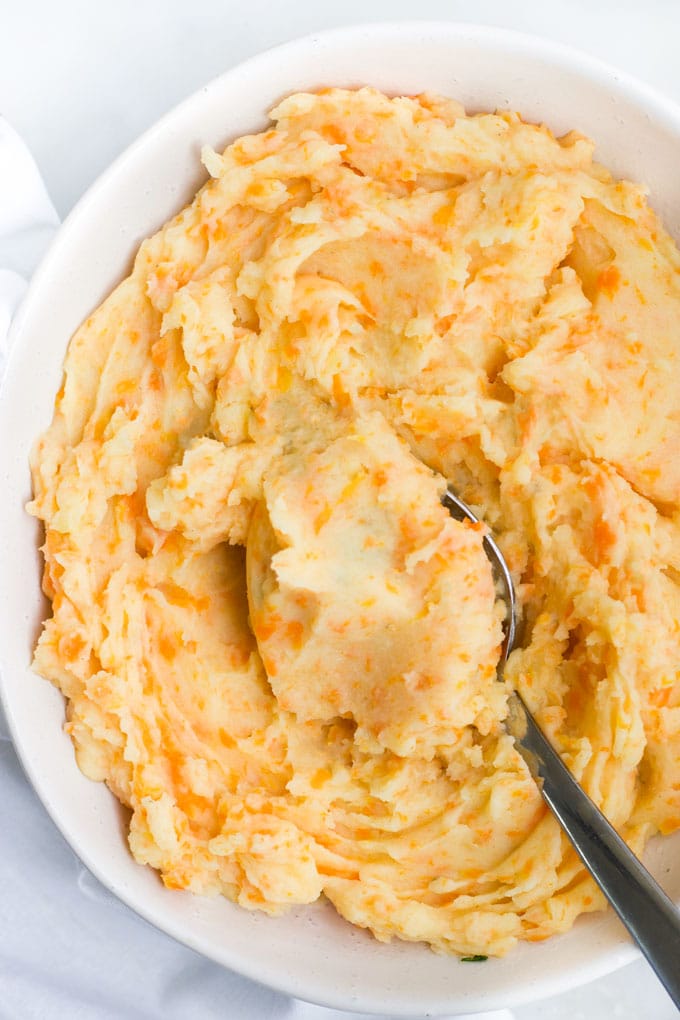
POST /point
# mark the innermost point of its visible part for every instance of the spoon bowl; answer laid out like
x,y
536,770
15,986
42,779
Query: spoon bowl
x,y
501,574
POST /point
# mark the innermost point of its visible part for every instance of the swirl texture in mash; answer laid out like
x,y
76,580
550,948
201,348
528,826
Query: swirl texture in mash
x,y
372,297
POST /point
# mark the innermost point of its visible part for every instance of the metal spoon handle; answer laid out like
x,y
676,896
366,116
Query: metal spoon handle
x,y
648,914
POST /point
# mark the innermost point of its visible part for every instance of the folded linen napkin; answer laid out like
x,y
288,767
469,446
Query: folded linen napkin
x,y
27,223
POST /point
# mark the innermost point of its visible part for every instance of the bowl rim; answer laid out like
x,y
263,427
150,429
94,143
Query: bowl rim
x,y
661,108
563,55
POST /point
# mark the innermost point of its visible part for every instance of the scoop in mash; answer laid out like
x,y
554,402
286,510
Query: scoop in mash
x,y
369,601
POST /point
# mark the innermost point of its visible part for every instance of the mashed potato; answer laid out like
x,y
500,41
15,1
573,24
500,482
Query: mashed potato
x,y
277,648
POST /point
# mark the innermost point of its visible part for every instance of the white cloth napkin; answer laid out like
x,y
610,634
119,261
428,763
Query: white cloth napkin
x,y
69,950
27,222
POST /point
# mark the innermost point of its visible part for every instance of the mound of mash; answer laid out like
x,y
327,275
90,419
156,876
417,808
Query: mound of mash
x,y
278,649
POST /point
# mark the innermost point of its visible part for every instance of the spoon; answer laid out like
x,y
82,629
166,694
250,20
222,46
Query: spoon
x,y
648,914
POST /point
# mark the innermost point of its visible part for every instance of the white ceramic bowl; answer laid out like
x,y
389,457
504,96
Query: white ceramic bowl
x,y
311,953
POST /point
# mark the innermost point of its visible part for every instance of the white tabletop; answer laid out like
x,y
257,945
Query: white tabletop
x,y
80,79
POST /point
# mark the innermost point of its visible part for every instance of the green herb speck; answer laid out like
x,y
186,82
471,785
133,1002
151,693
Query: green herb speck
x,y
473,959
